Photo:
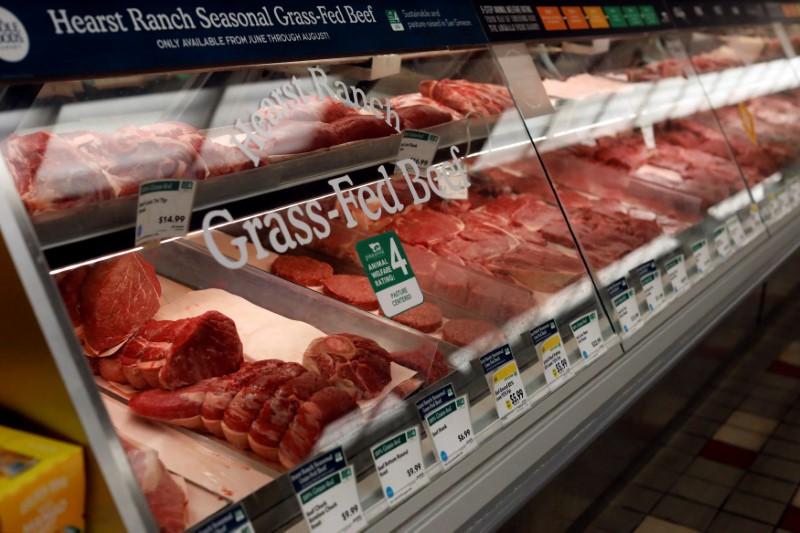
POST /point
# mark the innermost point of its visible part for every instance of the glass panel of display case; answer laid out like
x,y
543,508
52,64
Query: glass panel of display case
x,y
754,91
640,167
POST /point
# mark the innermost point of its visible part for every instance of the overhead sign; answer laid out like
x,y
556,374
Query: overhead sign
x,y
81,39
513,21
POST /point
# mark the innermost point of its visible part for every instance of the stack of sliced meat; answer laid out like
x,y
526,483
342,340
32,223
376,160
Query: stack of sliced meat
x,y
277,409
112,304
53,172
467,97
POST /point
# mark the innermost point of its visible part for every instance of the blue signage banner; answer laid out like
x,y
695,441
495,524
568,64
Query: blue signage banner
x,y
44,40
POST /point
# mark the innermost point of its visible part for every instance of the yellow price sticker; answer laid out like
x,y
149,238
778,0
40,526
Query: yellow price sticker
x,y
506,371
551,343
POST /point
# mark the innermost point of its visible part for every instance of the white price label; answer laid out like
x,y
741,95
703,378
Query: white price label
x,y
722,241
326,490
550,349
702,257
398,461
735,231
627,310
676,274
502,373
164,210
586,330
653,290
449,424
420,146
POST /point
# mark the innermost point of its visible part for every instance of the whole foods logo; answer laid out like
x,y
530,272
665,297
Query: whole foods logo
x,y
14,44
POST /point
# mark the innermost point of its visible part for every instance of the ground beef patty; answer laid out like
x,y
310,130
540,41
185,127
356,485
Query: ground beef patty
x,y
354,290
425,317
465,331
302,270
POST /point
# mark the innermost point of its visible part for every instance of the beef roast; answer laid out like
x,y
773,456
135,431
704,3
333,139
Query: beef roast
x,y
117,297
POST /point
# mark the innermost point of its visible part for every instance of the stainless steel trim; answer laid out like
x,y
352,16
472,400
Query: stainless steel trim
x,y
24,248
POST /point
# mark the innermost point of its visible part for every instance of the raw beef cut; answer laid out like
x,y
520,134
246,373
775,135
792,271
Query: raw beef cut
x,y
117,297
131,155
221,159
167,500
357,364
426,317
416,99
323,407
430,368
302,270
296,137
69,286
50,174
421,116
169,354
358,127
310,109
540,268
354,290
465,331
466,97
277,409
426,226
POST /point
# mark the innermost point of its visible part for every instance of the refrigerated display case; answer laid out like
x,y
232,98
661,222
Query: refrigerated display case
x,y
197,232
268,259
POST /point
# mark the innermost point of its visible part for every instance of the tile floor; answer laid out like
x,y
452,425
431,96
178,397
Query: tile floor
x,y
733,465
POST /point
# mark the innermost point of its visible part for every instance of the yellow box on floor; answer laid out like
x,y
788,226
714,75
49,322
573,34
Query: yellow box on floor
x,y
42,483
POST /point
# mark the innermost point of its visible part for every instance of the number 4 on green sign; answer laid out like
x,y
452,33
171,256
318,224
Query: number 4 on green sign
x,y
396,258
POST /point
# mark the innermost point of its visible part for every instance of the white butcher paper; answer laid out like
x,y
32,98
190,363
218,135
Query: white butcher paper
x,y
582,86
208,462
264,334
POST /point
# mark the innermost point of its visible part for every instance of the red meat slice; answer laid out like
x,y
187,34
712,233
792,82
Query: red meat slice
x,y
426,317
312,109
269,428
117,297
358,127
482,99
354,290
296,137
357,364
465,331
245,406
426,227
539,268
422,116
132,155
302,270
50,174
431,367
176,353
321,409
166,499
414,99
221,159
